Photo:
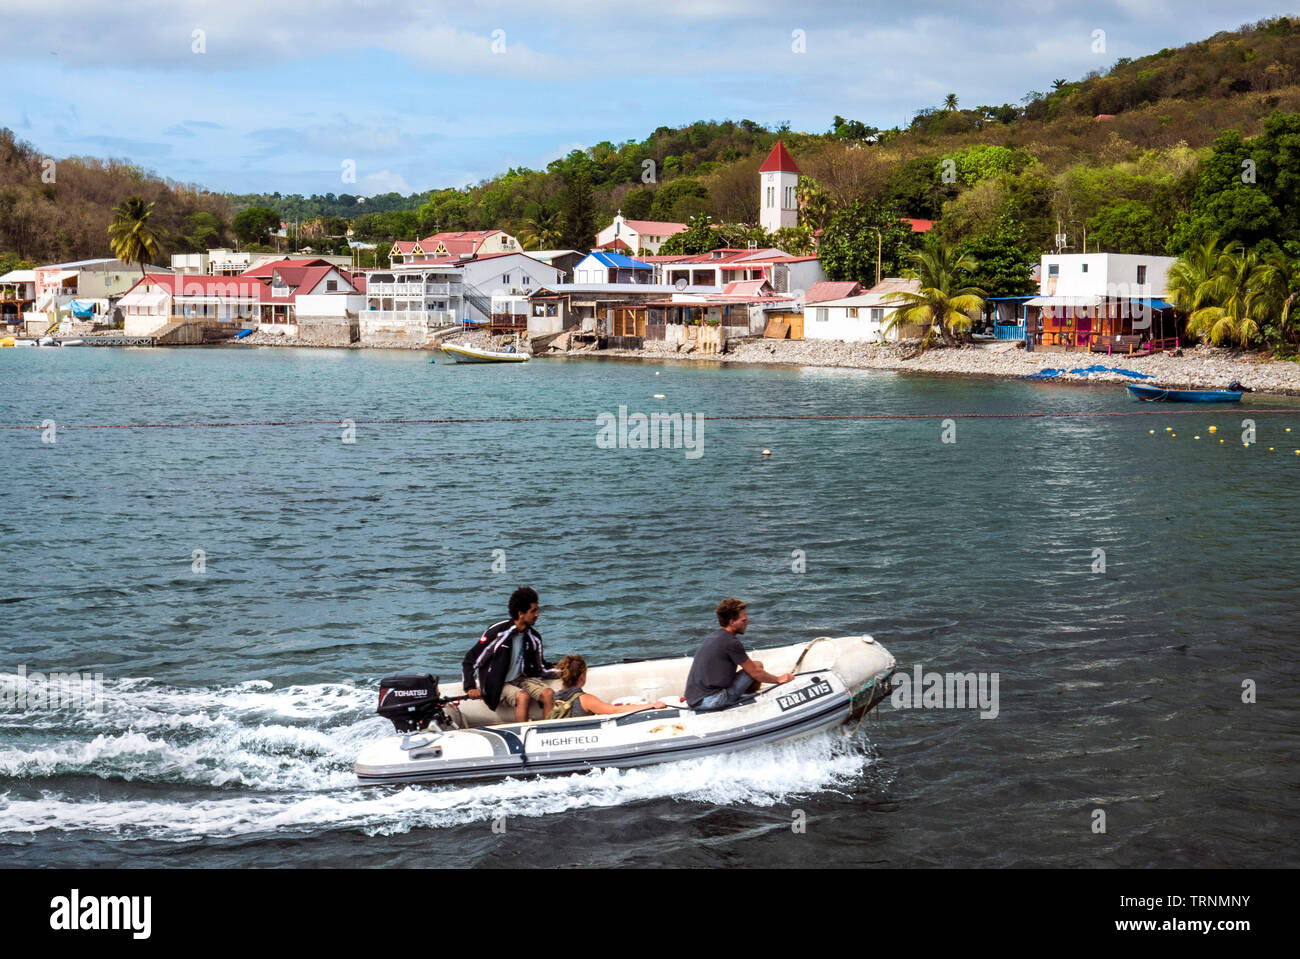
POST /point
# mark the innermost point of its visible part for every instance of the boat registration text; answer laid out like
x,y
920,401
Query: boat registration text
x,y
815,691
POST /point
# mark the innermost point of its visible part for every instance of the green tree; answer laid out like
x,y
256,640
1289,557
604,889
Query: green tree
x,y
950,102
916,188
1242,295
699,237
944,304
578,214
1003,259
131,238
637,204
255,224
855,234
1129,226
679,200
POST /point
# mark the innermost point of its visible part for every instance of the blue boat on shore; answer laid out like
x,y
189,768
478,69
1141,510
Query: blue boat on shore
x,y
1162,394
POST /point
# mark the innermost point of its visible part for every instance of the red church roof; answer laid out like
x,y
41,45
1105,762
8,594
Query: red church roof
x,y
779,161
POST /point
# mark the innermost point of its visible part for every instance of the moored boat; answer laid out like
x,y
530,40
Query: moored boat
x,y
1163,394
472,354
444,737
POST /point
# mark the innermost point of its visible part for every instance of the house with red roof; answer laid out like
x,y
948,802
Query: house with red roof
x,y
636,236
778,177
441,246
787,274
271,296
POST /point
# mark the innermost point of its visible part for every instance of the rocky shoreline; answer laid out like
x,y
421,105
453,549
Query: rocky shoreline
x,y
1201,367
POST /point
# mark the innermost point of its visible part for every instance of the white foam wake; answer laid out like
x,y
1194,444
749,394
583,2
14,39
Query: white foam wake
x,y
762,776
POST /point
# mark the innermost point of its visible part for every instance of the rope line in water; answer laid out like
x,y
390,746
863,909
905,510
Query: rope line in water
x,y
458,421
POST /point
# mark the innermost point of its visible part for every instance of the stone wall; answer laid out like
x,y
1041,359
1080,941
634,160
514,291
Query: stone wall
x,y
379,328
328,331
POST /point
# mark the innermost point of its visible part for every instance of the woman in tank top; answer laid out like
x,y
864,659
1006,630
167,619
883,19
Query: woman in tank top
x,y
573,674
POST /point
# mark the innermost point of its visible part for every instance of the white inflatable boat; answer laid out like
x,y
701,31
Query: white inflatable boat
x,y
472,354
835,680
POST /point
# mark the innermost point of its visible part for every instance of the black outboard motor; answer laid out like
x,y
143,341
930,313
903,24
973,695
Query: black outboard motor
x,y
410,700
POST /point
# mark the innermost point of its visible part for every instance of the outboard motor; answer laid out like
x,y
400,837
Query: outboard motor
x,y
411,701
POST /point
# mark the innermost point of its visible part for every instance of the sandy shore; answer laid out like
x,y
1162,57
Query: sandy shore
x,y
1202,367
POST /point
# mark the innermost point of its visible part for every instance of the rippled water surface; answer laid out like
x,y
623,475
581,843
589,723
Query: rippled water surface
x,y
236,698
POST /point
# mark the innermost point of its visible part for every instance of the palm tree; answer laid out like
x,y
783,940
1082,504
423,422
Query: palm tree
x,y
542,232
1242,293
950,102
1058,84
130,236
943,303
1188,286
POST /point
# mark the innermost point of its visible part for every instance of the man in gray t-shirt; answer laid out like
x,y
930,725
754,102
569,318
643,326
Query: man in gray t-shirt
x,y
714,682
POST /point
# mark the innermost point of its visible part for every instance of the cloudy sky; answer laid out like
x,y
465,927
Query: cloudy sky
x,y
267,95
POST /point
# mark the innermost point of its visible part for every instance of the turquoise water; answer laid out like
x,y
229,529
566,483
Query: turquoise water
x,y
238,690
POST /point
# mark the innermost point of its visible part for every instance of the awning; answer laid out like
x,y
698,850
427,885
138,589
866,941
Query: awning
x,y
1155,303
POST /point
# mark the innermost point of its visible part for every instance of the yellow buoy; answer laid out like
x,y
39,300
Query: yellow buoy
x,y
767,452
1152,432
1214,429
1220,441
1168,429
1196,437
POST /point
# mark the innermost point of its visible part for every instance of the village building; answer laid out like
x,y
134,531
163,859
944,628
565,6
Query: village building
x,y
636,236
1104,302
860,317
563,260
279,297
603,267
778,178
787,274
410,300
441,246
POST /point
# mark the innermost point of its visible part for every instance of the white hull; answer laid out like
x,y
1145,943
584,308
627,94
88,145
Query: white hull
x,y
837,679
470,354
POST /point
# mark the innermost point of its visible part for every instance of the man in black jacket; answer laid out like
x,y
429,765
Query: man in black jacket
x,y
506,664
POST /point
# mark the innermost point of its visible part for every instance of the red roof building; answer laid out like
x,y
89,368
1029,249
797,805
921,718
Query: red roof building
x,y
779,161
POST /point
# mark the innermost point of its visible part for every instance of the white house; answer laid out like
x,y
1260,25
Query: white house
x,y
1113,275
636,236
410,299
787,274
858,319
778,177
443,245
602,267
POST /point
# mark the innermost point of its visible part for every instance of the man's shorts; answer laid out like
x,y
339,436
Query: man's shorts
x,y
533,687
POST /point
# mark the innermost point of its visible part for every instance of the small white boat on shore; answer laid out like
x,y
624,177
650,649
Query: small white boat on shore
x,y
472,354
443,737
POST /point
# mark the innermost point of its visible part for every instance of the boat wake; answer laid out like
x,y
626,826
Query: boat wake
x,y
179,765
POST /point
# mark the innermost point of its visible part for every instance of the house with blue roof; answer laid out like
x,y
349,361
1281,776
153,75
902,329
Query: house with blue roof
x,y
600,266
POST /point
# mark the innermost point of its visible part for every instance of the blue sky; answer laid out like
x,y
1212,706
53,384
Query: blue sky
x,y
419,95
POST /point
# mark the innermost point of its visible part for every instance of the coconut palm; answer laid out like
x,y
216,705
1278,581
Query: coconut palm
x,y
943,304
1058,84
541,232
1190,278
950,102
1242,294
131,238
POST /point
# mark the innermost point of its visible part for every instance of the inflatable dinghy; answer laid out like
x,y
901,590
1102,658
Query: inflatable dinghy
x,y
444,737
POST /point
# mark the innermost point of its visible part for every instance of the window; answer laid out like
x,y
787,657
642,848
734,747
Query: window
x,y
1142,275
331,285
853,312
527,280
505,277
1085,268
819,314
771,196
1053,269
789,198
877,315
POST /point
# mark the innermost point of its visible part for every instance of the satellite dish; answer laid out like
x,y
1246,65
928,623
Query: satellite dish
x,y
682,283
